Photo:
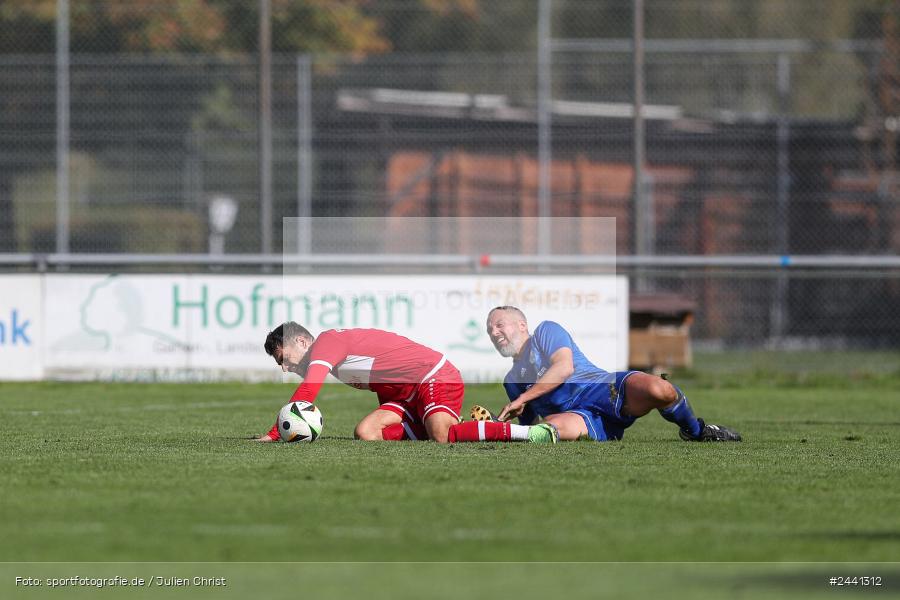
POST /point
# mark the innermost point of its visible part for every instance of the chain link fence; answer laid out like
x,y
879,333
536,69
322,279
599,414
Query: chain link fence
x,y
770,129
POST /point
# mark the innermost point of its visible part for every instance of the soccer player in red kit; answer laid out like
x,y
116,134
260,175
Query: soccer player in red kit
x,y
420,393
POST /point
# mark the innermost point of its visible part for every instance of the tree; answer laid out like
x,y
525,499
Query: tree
x,y
147,26
192,25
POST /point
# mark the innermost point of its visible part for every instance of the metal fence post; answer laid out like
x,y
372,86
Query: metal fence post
x,y
62,126
304,153
640,209
778,317
545,124
265,126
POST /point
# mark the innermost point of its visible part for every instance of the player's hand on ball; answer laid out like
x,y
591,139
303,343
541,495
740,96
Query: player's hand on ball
x,y
263,438
511,410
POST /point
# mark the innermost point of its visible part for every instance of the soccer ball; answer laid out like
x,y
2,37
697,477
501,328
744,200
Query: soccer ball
x,y
300,422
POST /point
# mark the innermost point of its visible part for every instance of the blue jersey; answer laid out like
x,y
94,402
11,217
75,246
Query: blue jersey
x,y
534,360
593,393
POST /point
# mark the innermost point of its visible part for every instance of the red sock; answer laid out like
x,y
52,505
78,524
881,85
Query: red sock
x,y
401,431
477,431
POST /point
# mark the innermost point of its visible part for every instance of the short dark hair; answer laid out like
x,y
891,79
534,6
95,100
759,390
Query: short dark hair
x,y
508,308
290,330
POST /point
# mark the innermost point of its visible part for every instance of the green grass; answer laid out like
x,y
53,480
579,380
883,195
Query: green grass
x,y
144,472
845,361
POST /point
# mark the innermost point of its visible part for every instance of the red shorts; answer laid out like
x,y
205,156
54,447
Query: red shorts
x,y
441,392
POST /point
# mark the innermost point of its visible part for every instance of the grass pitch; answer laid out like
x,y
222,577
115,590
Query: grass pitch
x,y
147,472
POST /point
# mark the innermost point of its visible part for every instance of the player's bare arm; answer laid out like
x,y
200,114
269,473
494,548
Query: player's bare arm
x,y
561,368
307,391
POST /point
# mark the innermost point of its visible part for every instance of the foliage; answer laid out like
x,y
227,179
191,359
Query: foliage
x,y
192,25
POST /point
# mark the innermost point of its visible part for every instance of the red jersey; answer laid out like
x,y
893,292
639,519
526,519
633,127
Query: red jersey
x,y
371,359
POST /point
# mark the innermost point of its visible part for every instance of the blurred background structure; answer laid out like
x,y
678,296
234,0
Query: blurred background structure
x,y
768,138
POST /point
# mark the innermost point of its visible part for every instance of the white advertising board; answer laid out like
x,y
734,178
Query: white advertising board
x,y
449,313
20,327
157,327
208,327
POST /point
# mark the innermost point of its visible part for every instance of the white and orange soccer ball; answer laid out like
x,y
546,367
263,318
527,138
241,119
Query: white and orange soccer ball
x,y
300,422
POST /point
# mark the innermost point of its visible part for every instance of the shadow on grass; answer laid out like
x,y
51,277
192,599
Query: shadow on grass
x,y
807,580
867,536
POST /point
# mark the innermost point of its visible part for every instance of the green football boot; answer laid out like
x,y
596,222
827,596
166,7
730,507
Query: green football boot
x,y
544,433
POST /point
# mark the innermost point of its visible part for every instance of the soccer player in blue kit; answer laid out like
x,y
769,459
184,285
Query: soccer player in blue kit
x,y
552,379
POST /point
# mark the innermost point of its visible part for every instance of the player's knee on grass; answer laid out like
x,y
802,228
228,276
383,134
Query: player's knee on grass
x,y
369,429
367,432
438,426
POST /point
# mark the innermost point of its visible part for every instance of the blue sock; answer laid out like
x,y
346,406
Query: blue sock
x,y
681,414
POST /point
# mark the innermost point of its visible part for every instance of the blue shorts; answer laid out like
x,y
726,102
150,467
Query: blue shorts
x,y
602,409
